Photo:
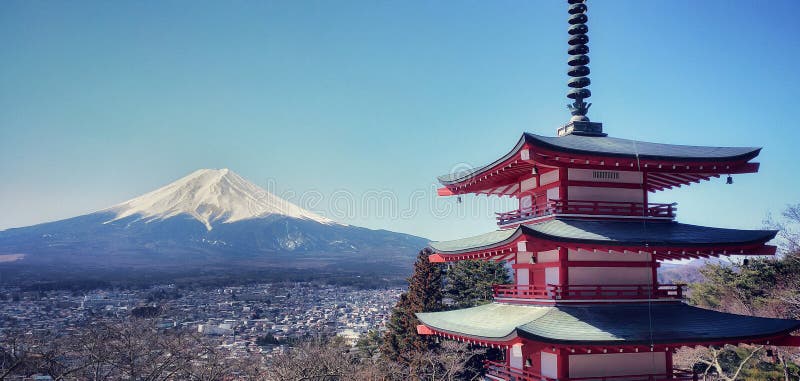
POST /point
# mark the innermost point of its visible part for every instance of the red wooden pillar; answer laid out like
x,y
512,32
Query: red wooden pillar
x,y
655,274
562,364
644,190
562,185
563,270
669,362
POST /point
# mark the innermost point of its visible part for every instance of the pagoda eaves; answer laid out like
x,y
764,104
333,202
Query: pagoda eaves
x,y
662,240
668,165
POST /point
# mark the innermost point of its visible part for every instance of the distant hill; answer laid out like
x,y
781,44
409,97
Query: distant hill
x,y
209,222
670,273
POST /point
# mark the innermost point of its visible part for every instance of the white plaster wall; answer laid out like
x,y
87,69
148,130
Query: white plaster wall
x,y
547,256
515,356
551,275
524,257
605,194
549,365
527,184
523,277
552,194
617,364
526,202
586,255
549,177
629,177
606,275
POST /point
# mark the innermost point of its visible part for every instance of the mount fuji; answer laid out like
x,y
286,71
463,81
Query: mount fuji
x,y
209,220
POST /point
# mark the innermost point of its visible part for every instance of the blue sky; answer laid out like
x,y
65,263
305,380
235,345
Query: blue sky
x,y
102,101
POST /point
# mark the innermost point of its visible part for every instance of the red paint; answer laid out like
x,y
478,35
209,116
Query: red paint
x,y
423,329
444,192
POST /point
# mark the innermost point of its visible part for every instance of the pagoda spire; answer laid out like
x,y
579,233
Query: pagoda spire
x,y
578,72
578,59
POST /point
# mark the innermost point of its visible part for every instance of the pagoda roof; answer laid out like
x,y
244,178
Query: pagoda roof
x,y
618,324
608,146
580,150
635,233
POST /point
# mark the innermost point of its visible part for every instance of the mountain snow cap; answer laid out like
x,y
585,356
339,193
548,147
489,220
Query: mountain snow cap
x,y
211,196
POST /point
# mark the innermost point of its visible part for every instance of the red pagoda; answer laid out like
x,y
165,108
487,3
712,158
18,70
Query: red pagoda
x,y
585,245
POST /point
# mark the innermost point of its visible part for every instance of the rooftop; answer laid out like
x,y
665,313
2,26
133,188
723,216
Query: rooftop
x,y
668,165
610,233
637,323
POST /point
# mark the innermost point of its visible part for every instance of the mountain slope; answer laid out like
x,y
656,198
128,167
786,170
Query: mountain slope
x,y
208,217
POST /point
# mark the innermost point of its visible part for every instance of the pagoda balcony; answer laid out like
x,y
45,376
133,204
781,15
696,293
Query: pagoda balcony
x,y
589,292
584,208
500,371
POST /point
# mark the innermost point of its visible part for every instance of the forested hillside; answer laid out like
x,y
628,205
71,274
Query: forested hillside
x,y
766,286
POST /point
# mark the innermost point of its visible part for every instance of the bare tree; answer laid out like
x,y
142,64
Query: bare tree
x,y
13,352
712,359
313,361
451,362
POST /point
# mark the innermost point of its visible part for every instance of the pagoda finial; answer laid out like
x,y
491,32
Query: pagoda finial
x,y
578,59
579,74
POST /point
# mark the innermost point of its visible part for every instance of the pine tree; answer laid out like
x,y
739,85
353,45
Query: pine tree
x,y
469,283
401,342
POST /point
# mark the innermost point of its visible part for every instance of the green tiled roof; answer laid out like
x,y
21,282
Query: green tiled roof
x,y
631,323
653,233
494,320
479,241
608,146
606,324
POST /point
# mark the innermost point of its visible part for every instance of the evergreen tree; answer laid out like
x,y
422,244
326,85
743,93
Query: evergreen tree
x,y
469,283
401,342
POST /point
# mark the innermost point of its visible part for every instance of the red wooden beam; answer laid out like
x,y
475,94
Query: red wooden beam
x,y
444,191
423,330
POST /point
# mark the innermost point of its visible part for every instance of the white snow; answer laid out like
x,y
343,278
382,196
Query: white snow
x,y
210,196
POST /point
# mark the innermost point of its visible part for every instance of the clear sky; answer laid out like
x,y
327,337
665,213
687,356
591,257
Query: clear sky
x,y
345,102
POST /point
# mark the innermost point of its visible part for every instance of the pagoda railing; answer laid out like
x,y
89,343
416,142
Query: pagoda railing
x,y
677,375
601,292
502,371
609,208
590,208
523,214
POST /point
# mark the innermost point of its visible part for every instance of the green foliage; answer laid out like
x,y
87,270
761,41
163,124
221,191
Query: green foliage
x,y
765,286
369,343
268,339
401,342
760,368
146,312
469,283
760,287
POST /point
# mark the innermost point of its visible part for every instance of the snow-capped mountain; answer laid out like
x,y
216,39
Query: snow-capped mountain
x,y
210,196
209,216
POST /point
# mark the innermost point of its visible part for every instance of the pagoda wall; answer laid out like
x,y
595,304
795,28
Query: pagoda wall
x,y
617,364
622,177
537,189
621,274
605,194
604,256
581,185
605,189
540,358
611,276
584,267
